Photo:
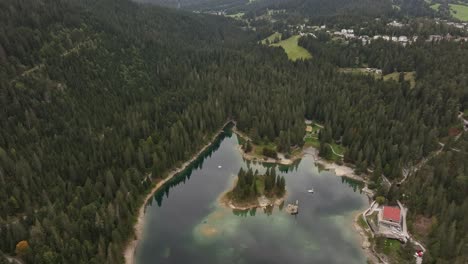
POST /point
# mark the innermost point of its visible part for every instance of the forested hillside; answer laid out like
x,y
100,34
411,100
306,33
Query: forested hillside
x,y
100,98
436,193
438,196
97,95
308,8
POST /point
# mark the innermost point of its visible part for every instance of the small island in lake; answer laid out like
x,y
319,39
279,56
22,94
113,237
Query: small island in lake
x,y
253,190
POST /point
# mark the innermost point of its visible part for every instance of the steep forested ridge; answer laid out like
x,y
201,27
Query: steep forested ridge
x,y
438,197
99,98
98,95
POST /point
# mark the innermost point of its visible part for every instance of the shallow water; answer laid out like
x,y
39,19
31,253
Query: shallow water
x,y
184,223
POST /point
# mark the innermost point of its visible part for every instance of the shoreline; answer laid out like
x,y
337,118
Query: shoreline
x,y
263,159
339,170
366,245
130,248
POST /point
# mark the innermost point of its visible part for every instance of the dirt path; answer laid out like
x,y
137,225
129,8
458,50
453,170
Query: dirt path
x,y
14,260
365,243
418,166
339,155
129,250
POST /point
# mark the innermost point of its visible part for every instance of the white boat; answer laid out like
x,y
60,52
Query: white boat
x,y
219,167
311,191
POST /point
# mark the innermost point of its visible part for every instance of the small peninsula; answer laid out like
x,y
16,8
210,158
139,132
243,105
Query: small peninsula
x,y
253,190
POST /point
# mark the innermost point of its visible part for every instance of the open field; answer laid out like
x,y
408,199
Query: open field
x,y
435,7
409,76
460,12
292,49
272,38
236,16
290,46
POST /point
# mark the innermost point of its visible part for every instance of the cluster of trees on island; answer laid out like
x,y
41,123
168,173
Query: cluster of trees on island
x,y
100,98
250,185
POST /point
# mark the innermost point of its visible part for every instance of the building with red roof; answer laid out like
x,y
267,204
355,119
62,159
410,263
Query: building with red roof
x,y
390,216
391,213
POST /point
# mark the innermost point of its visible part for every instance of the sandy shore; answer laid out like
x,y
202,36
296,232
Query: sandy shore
x,y
129,250
226,203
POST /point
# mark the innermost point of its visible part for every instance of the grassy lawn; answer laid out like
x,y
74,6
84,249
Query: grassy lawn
x,y
459,12
435,7
409,76
260,184
465,113
394,250
391,246
292,49
312,142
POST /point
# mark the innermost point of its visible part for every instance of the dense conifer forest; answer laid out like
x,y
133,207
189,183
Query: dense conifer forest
x,y
102,98
438,196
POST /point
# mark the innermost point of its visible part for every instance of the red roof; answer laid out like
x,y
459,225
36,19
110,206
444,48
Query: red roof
x,y
391,213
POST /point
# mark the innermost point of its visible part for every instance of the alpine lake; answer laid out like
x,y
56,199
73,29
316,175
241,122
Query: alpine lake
x,y
185,222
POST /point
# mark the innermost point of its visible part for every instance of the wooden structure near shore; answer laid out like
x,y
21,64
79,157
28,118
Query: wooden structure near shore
x,y
293,208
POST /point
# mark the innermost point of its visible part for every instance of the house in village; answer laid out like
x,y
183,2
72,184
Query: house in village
x,y
395,24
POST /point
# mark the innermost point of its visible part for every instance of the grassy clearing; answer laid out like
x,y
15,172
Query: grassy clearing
x,y
391,246
460,12
339,149
312,142
236,16
334,157
260,185
292,49
435,7
272,38
311,138
409,76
